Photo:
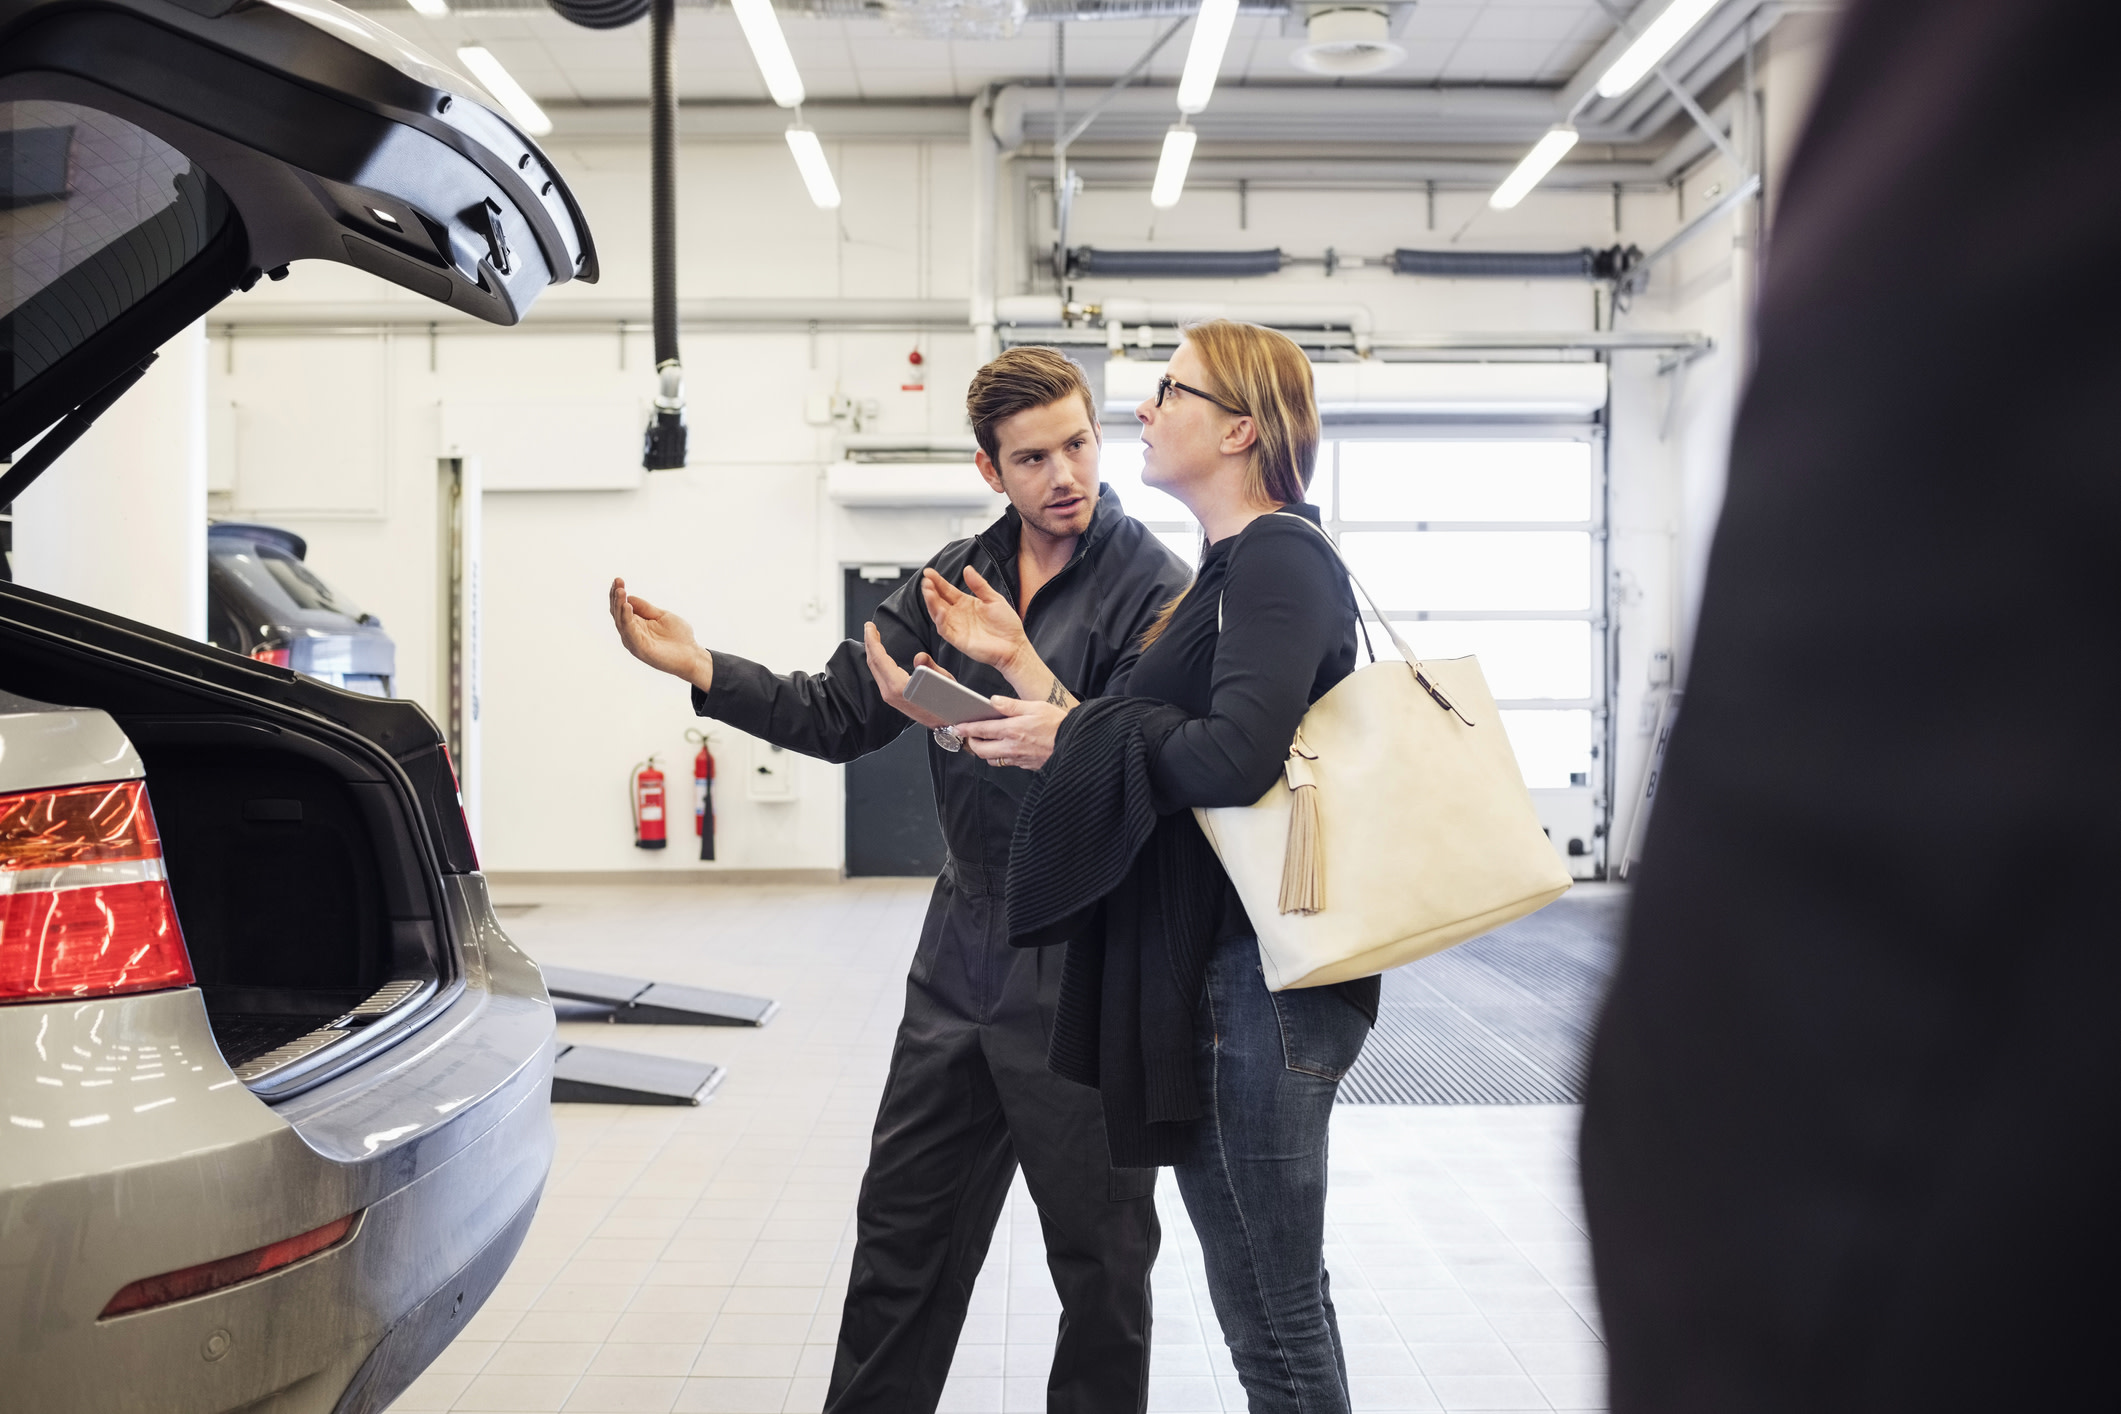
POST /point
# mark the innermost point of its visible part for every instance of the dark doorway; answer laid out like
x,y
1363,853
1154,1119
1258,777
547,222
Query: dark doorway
x,y
891,828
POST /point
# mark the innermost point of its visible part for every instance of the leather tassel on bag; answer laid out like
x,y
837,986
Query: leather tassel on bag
x,y
1303,864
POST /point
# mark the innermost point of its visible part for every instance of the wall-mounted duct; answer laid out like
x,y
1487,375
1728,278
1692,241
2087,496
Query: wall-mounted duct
x,y
1172,264
910,486
1374,389
1586,264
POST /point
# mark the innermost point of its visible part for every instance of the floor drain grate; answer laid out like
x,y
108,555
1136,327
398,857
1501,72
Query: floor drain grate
x,y
1502,1020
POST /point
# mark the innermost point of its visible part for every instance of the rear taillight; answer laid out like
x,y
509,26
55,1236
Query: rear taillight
x,y
278,657
228,1271
84,904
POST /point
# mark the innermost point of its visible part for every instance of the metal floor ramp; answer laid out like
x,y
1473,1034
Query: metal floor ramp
x,y
598,1075
638,1001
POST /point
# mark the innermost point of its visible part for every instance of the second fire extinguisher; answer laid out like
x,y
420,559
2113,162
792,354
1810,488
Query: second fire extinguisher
x,y
702,793
646,790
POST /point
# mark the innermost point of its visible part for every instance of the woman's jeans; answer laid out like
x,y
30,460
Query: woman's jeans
x,y
1256,1186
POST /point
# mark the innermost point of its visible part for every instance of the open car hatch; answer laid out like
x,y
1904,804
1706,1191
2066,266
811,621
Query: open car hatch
x,y
156,155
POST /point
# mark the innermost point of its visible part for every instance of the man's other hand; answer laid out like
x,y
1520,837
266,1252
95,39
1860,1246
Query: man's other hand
x,y
660,638
891,679
982,624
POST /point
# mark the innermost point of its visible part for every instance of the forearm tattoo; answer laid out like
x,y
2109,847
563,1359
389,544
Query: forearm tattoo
x,y
1059,696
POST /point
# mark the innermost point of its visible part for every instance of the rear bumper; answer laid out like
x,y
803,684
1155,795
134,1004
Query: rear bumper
x,y
442,1144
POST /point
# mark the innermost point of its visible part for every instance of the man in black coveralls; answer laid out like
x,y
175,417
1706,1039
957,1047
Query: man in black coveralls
x,y
969,1097
1853,1131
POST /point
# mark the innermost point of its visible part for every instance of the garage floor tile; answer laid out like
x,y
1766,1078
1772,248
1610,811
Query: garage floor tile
x,y
695,1259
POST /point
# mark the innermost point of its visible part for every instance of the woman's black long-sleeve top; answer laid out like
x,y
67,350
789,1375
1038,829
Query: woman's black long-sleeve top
x,y
1286,636
1107,856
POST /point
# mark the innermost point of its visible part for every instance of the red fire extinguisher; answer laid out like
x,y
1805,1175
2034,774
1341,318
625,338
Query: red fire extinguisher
x,y
646,789
702,793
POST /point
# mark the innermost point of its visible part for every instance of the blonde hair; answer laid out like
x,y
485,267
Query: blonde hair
x,y
1267,375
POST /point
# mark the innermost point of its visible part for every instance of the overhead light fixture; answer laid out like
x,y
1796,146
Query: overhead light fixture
x,y
1537,163
810,161
503,86
1171,167
1204,60
431,9
769,49
1660,38
1348,39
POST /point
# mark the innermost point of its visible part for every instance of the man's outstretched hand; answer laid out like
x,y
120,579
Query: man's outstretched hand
x,y
660,638
891,679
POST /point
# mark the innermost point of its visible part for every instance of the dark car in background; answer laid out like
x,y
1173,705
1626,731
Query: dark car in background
x,y
265,602
274,1084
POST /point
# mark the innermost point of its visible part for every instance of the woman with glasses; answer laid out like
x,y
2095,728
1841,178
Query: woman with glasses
x,y
1163,1005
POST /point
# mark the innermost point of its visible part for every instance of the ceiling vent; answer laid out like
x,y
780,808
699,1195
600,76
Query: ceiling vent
x,y
1345,40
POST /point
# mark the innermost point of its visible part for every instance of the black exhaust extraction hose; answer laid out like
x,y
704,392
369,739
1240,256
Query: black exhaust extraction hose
x,y
1583,264
664,447
1173,264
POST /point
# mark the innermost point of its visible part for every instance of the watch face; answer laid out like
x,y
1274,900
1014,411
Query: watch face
x,y
947,738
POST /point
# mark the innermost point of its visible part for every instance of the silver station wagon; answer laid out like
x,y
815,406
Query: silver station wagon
x,y
274,1086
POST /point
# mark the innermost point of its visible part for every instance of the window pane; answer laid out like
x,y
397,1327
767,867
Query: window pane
x,y
1320,491
1473,569
1518,658
1465,480
94,214
1120,465
1184,543
1551,747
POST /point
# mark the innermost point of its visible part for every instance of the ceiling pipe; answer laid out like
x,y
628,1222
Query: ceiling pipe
x,y
1266,173
985,179
1115,315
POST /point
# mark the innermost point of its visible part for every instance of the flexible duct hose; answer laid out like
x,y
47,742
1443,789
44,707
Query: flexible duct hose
x,y
1173,264
664,448
1584,264
601,14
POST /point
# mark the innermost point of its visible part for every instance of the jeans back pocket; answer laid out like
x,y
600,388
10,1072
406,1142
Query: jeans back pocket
x,y
1321,1031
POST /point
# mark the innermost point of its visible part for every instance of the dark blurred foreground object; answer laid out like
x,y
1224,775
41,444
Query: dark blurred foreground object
x,y
1853,1136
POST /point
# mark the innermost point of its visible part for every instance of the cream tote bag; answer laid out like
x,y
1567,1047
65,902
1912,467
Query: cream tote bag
x,y
1401,825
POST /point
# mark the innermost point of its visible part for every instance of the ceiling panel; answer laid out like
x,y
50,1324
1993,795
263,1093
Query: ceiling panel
x,y
1456,41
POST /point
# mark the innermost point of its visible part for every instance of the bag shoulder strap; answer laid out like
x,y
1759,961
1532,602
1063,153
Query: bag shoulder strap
x,y
1405,651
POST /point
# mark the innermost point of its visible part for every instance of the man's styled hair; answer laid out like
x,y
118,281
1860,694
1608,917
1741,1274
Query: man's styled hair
x,y
1018,380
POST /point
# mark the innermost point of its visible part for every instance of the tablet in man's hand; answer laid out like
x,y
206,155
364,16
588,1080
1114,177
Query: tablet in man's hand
x,y
938,696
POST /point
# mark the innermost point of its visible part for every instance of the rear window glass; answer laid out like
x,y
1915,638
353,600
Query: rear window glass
x,y
282,581
94,214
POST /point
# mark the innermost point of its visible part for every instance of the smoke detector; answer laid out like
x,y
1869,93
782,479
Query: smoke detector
x,y
1348,39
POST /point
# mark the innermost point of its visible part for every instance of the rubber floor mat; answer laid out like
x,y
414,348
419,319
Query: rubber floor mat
x,y
1504,1019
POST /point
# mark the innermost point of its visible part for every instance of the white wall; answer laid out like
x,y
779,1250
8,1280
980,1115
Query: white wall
x,y
119,520
337,436
1671,433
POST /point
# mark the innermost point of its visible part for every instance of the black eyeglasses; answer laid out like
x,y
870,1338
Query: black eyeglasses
x,y
1166,383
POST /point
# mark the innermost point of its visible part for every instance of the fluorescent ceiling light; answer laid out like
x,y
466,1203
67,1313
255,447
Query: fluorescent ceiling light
x,y
817,172
1171,167
1650,47
503,86
432,9
769,48
1537,163
1204,60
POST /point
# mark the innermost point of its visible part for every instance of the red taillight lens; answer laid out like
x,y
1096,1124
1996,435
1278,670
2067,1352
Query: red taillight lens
x,y
84,906
229,1271
278,657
